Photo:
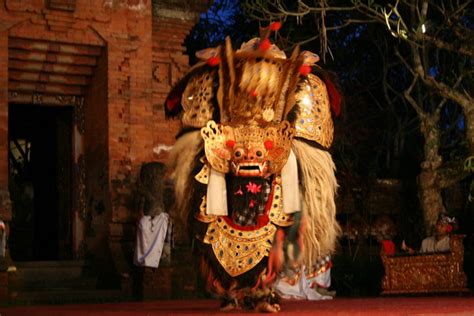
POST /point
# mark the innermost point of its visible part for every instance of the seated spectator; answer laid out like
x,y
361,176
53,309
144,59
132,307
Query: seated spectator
x,y
439,242
384,230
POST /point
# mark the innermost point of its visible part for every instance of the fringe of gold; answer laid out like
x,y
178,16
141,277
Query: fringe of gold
x,y
180,162
319,185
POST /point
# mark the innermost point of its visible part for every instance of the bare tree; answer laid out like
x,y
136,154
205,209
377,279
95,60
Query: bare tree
x,y
435,45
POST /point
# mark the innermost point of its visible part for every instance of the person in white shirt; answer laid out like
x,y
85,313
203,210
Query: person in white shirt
x,y
439,242
154,227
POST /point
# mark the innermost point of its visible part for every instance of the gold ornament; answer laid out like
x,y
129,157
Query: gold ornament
x,y
276,213
203,175
197,99
202,215
313,120
237,250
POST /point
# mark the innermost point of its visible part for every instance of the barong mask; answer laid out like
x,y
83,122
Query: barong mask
x,y
247,151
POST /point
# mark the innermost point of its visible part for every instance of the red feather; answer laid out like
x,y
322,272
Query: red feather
x,y
275,26
213,61
264,45
304,69
334,96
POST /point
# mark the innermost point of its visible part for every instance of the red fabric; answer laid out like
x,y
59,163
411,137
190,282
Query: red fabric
x,y
393,306
262,219
388,247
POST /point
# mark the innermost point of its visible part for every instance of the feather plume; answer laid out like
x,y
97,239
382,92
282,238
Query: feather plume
x,y
335,98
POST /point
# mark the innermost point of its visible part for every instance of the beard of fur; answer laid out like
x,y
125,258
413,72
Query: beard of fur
x,y
319,185
181,161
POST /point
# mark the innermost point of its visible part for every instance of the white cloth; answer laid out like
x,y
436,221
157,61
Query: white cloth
x,y
216,197
322,279
301,290
290,185
430,244
151,234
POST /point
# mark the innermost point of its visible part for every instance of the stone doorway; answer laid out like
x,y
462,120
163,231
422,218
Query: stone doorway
x,y
53,81
40,178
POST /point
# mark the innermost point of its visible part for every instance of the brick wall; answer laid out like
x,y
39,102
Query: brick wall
x,y
169,64
96,158
144,57
5,211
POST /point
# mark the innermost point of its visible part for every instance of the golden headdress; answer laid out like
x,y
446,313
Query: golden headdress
x,y
256,85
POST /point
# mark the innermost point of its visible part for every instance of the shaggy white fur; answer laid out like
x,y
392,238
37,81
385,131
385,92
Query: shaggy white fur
x,y
319,185
181,161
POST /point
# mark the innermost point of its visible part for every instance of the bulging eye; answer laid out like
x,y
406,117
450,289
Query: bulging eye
x,y
238,153
259,153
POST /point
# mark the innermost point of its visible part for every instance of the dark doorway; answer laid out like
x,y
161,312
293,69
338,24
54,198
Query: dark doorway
x,y
40,160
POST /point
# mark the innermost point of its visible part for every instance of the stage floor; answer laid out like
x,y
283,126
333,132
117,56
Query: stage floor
x,y
339,306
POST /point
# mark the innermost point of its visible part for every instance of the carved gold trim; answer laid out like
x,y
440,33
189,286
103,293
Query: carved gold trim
x,y
276,213
202,216
203,175
197,100
237,250
426,273
313,120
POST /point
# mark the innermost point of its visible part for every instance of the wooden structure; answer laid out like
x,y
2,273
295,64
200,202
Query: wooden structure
x,y
426,273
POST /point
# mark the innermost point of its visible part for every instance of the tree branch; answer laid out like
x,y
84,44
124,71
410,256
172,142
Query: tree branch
x,y
409,98
451,174
464,50
464,100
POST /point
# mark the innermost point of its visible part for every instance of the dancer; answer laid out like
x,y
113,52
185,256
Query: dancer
x,y
251,169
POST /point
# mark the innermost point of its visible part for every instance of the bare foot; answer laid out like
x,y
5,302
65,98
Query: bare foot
x,y
265,307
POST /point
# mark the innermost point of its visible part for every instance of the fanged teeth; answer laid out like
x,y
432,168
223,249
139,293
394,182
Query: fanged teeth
x,y
240,168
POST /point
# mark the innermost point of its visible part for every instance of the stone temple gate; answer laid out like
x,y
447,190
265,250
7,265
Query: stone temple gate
x,y
82,83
